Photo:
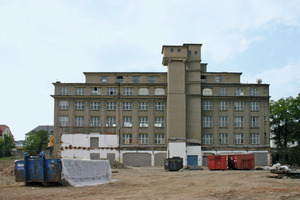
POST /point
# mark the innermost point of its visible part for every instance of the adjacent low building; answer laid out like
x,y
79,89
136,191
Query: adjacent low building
x,y
5,130
140,119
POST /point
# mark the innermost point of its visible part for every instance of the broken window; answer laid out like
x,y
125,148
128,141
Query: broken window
x,y
95,91
111,91
119,79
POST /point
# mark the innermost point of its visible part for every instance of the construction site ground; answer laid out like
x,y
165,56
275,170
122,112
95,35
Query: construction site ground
x,y
156,183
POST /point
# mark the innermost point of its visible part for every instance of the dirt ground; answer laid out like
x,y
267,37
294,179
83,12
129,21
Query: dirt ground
x,y
156,183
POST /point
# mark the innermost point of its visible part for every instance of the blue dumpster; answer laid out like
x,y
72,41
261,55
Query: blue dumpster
x,y
37,169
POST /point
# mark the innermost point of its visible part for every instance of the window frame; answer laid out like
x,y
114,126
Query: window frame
x,y
143,138
223,138
143,122
159,122
239,138
143,105
159,105
207,121
238,121
126,105
127,121
79,90
127,91
111,91
111,121
79,121
111,105
207,138
127,138
207,105
238,105
95,121
95,105
79,105
63,105
254,138
159,138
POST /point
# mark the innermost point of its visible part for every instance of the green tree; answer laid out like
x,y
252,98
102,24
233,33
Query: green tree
x,y
2,147
9,144
285,119
36,142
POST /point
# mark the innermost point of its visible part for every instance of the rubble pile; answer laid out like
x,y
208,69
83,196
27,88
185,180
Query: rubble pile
x,y
283,171
117,165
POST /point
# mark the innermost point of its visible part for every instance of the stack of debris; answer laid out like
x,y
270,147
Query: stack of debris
x,y
117,165
283,171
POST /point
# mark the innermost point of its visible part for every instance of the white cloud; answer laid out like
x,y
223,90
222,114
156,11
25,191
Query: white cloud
x,y
284,82
41,41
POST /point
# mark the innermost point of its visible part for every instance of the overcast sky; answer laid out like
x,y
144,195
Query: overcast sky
x,y
42,42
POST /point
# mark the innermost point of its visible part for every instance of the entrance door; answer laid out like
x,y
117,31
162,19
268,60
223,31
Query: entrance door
x,y
192,160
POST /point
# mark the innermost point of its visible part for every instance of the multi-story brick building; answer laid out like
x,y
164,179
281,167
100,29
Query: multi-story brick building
x,y
142,118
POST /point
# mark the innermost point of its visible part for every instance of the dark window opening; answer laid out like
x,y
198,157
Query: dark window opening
x,y
120,79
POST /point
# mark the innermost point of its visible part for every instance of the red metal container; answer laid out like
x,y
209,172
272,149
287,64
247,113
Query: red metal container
x,y
217,162
241,161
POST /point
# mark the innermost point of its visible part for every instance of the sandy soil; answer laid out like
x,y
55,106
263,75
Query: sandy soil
x,y
156,183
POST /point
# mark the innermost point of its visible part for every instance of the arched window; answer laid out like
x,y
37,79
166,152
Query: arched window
x,y
119,79
143,91
159,91
207,92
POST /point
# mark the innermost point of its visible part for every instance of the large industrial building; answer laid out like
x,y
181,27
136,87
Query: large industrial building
x,y
140,119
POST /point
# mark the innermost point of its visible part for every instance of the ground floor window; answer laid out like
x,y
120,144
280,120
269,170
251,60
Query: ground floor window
x,y
159,139
239,138
223,138
127,139
143,139
207,138
254,138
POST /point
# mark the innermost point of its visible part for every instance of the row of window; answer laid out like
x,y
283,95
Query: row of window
x,y
111,121
172,50
237,92
135,79
238,138
127,139
143,139
237,105
223,121
127,91
111,105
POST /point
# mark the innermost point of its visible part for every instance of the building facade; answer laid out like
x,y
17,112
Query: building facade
x,y
5,130
140,119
